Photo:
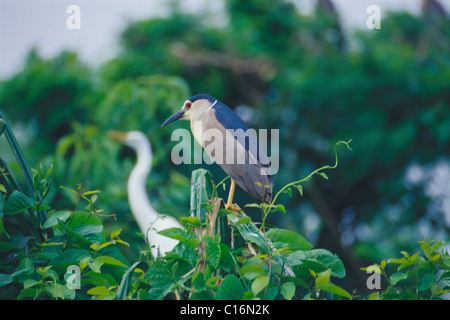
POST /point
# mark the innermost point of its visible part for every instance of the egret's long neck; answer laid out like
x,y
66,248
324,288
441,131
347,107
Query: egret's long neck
x,y
137,195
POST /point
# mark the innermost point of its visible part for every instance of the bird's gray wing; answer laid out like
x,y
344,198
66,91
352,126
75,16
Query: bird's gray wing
x,y
246,173
249,178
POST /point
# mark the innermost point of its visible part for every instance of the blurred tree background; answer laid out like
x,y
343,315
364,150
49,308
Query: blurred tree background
x,y
387,89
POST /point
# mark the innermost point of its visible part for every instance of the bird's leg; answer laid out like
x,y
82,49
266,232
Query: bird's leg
x,y
229,204
231,194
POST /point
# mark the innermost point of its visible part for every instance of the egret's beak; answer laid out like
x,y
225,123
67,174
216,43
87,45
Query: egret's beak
x,y
117,135
174,117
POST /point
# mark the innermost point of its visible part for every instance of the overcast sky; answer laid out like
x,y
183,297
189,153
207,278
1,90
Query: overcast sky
x,y
42,23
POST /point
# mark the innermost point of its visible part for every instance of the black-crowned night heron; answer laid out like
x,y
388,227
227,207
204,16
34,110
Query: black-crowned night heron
x,y
253,175
150,222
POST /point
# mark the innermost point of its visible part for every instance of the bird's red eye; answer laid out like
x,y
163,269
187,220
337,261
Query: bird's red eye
x,y
188,104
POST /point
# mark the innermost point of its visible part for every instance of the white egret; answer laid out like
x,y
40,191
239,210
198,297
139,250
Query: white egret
x,y
149,221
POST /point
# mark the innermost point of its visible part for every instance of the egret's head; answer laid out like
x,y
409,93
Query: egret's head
x,y
134,139
191,107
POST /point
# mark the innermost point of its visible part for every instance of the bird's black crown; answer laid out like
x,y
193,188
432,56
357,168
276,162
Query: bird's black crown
x,y
201,96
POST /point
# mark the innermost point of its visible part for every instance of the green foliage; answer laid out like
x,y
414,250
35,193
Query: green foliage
x,y
423,275
39,270
52,93
219,256
223,255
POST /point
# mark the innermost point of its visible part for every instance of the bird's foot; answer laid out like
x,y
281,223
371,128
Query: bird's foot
x,y
230,207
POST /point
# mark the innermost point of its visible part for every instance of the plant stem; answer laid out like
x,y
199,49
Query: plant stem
x,y
270,208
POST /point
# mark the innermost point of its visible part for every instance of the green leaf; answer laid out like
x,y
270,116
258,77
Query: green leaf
x,y
198,281
212,250
259,284
435,257
2,228
91,192
335,290
28,283
56,290
323,259
102,292
293,240
251,271
248,231
27,293
2,204
123,287
323,277
25,266
230,289
96,265
7,246
289,192
181,235
300,189
288,290
192,221
82,218
91,232
72,234
70,190
201,191
111,261
323,174
97,246
98,279
396,277
227,260
5,279
114,234
87,226
406,261
426,281
374,296
437,245
211,283
67,258
280,208
271,293
295,258
254,205
243,220
224,212
17,202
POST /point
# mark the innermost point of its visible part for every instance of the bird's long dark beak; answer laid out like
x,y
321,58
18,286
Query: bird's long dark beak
x,y
174,117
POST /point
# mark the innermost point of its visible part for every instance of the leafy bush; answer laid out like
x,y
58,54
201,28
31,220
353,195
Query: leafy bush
x,y
38,270
38,244
423,275
221,254
240,262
